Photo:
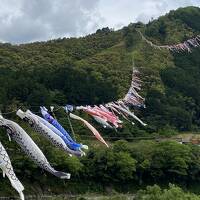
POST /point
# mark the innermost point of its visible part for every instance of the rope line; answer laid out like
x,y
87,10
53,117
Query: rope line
x,y
14,111
71,127
180,47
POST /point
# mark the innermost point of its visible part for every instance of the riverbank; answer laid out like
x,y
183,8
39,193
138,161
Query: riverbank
x,y
76,197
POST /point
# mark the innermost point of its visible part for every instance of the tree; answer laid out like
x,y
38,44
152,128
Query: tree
x,y
173,193
170,159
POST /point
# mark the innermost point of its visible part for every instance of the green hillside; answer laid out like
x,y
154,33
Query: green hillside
x,y
97,69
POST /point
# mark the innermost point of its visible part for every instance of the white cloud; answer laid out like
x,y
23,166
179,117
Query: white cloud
x,y
126,11
25,21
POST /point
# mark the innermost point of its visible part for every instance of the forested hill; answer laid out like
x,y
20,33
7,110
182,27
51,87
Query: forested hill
x,y
97,69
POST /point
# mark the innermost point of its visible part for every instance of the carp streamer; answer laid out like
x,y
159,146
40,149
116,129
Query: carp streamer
x,y
6,166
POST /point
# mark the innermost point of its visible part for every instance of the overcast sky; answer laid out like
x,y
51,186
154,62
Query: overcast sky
x,y
23,21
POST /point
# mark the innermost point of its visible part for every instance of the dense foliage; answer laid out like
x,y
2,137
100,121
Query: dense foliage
x,y
156,193
96,69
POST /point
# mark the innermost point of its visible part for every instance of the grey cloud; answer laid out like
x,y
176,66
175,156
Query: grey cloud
x,y
25,21
126,11
163,6
45,19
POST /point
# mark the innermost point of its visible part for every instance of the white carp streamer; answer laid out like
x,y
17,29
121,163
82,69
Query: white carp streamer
x,y
6,166
37,124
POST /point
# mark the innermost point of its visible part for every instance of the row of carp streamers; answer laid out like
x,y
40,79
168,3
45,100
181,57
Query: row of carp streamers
x,y
106,115
181,47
